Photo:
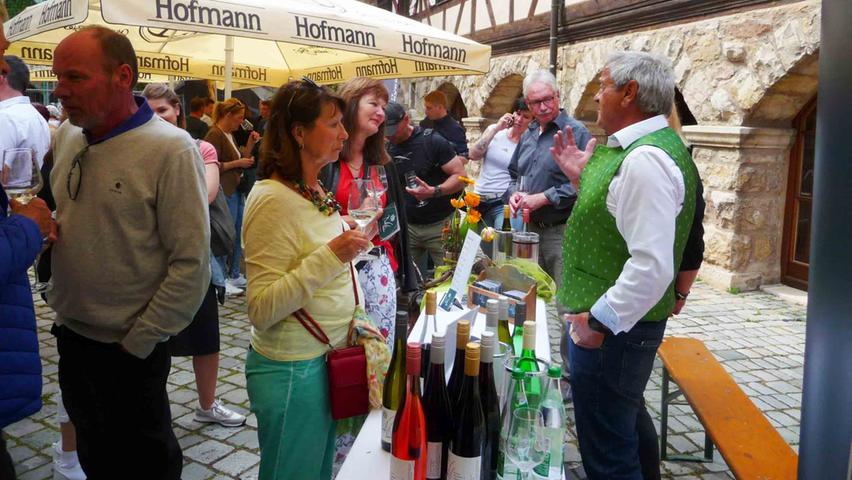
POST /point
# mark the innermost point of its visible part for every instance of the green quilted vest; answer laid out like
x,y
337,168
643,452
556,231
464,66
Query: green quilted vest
x,y
593,250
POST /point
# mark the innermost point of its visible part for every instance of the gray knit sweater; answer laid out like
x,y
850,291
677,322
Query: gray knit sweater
x,y
131,264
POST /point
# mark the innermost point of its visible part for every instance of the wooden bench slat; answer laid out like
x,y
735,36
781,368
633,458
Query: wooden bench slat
x,y
744,437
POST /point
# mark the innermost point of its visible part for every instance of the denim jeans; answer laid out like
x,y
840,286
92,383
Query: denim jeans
x,y
218,265
236,204
608,384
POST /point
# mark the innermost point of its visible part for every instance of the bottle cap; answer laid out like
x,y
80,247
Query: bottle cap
x,y
529,335
517,373
492,307
431,302
520,313
526,215
503,313
462,333
487,342
412,358
554,371
436,354
471,359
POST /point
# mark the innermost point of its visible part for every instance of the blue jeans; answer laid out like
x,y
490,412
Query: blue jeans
x,y
608,385
217,270
236,204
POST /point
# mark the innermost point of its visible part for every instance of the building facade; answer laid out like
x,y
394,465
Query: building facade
x,y
746,74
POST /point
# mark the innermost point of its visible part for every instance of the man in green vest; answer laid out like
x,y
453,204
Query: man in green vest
x,y
623,246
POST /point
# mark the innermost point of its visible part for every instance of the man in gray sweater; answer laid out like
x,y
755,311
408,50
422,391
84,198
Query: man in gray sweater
x,y
130,267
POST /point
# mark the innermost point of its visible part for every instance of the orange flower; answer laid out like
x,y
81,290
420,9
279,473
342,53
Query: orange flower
x,y
471,199
457,202
473,216
467,180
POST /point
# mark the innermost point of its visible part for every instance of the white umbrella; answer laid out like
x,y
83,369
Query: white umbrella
x,y
255,42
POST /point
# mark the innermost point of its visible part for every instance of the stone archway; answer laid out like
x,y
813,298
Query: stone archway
x,y
502,96
455,103
785,99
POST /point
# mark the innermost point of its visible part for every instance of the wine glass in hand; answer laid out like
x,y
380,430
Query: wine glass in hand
x,y
363,207
526,444
378,179
21,179
411,181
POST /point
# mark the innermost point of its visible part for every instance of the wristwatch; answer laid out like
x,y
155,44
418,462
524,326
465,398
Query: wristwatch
x,y
597,326
681,296
437,192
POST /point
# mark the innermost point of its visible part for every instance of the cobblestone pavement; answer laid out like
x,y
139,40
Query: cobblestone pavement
x,y
758,338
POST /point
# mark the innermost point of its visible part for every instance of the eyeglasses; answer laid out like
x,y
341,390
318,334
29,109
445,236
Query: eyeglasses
x,y
75,175
306,82
538,103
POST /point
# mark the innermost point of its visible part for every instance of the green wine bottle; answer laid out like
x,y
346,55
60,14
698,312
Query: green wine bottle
x,y
518,333
503,335
393,395
528,363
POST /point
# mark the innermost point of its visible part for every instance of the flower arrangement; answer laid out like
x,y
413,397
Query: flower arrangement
x,y
455,230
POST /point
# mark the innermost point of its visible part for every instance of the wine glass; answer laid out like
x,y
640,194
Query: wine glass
x,y
378,179
21,179
363,207
411,181
526,444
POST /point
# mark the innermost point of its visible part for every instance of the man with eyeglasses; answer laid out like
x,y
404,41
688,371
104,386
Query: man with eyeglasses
x,y
131,265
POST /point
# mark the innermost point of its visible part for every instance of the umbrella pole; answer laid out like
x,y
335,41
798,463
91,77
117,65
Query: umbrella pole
x,y
229,64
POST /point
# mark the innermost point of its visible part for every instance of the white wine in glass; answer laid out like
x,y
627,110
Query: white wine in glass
x,y
363,207
20,177
378,179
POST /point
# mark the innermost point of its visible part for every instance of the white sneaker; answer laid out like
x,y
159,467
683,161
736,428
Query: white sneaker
x,y
231,290
66,466
220,414
239,282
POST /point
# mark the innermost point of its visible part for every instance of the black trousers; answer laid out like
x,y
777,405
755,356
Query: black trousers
x,y
7,469
120,409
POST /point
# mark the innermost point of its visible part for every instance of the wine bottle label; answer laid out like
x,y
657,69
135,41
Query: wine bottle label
x,y
401,469
463,468
388,416
434,452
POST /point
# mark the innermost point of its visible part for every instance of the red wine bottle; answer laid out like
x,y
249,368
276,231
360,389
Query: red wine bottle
x,y
465,457
490,407
456,376
393,395
439,419
408,440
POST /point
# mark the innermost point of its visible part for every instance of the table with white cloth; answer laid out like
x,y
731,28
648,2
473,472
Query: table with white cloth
x,y
367,459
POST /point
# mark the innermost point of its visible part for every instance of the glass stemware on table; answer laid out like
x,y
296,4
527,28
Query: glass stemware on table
x,y
21,179
526,443
363,207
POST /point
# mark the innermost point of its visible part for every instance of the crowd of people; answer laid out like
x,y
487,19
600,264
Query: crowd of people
x,y
143,257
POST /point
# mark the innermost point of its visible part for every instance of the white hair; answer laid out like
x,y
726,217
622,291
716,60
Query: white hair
x,y
540,76
654,75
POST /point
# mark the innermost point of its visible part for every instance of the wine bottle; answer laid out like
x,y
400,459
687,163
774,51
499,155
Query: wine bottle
x,y
528,363
507,223
504,245
439,419
492,307
394,388
518,332
553,415
515,397
503,334
429,321
490,407
465,456
409,454
457,375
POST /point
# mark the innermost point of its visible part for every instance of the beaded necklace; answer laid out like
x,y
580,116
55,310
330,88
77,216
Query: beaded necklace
x,y
326,203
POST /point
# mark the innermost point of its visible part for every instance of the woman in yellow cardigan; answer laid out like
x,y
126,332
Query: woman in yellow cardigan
x,y
298,251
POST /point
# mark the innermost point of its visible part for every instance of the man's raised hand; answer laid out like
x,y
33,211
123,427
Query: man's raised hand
x,y
570,159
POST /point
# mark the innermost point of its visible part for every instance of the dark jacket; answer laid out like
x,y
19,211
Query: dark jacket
x,y
406,276
20,367
224,149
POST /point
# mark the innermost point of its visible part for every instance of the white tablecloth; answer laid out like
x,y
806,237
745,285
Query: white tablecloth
x,y
367,460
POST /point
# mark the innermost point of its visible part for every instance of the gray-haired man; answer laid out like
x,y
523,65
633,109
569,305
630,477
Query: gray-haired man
x,y
623,247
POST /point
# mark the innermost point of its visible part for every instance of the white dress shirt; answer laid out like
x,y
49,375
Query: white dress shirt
x,y
21,126
645,197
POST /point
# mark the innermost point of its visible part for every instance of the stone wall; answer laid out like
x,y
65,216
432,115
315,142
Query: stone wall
x,y
744,77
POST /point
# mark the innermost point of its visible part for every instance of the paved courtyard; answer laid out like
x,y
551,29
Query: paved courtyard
x,y
758,337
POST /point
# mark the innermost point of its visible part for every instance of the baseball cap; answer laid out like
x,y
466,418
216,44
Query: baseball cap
x,y
394,113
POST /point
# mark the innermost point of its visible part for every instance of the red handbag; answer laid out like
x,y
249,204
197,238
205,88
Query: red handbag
x,y
348,389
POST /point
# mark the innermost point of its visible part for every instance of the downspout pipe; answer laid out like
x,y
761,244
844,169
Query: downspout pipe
x,y
555,15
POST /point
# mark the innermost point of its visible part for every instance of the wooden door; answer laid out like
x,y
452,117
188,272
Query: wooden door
x,y
796,246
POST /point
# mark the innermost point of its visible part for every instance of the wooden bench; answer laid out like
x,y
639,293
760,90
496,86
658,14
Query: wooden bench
x,y
752,448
